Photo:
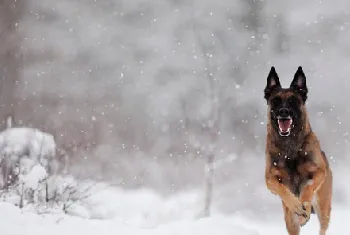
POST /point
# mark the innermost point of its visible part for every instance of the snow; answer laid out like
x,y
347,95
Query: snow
x,y
13,221
139,98
18,222
337,226
88,207
125,212
32,180
143,208
33,143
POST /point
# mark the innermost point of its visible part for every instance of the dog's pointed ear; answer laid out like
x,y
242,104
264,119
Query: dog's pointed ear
x,y
273,83
299,83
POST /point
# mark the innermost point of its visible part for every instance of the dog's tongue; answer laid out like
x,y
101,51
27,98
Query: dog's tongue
x,y
284,124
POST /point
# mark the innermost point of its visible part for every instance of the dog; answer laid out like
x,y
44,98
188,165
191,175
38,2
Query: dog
x,y
297,170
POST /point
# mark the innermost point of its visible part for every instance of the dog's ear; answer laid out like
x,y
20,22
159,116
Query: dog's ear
x,y
273,83
299,83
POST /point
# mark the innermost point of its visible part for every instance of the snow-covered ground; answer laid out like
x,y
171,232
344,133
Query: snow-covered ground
x,y
89,207
144,212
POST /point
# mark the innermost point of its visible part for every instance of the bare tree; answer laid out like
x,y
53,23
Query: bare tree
x,y
210,46
212,126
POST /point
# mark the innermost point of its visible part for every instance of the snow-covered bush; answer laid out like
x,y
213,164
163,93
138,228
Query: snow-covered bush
x,y
36,191
23,148
29,184
65,191
28,176
27,159
31,181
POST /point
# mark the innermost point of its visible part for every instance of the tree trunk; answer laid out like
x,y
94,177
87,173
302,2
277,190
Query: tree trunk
x,y
209,178
46,191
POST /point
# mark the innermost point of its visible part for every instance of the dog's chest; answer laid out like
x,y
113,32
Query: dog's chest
x,y
289,166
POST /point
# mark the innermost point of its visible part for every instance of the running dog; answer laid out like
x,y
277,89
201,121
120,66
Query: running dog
x,y
297,170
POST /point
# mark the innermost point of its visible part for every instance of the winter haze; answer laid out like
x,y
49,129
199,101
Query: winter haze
x,y
139,93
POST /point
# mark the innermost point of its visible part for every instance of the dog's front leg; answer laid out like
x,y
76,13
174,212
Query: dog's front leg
x,y
273,182
308,191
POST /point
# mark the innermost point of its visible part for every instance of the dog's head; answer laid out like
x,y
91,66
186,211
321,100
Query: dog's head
x,y
286,105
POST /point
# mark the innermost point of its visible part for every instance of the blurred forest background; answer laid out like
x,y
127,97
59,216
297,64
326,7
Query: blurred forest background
x,y
141,92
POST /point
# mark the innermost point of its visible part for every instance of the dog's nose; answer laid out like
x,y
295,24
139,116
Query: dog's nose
x,y
284,112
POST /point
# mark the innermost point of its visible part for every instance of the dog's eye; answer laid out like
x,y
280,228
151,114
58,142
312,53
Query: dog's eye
x,y
276,101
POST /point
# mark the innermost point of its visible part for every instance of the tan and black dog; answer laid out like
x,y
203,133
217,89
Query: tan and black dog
x,y
297,170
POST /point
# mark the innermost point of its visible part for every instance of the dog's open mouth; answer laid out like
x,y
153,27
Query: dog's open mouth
x,y
284,125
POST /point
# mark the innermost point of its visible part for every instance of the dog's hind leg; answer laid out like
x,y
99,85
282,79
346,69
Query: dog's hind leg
x,y
291,219
323,203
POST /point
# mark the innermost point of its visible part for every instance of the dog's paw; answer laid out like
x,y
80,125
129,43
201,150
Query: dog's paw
x,y
297,207
305,218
